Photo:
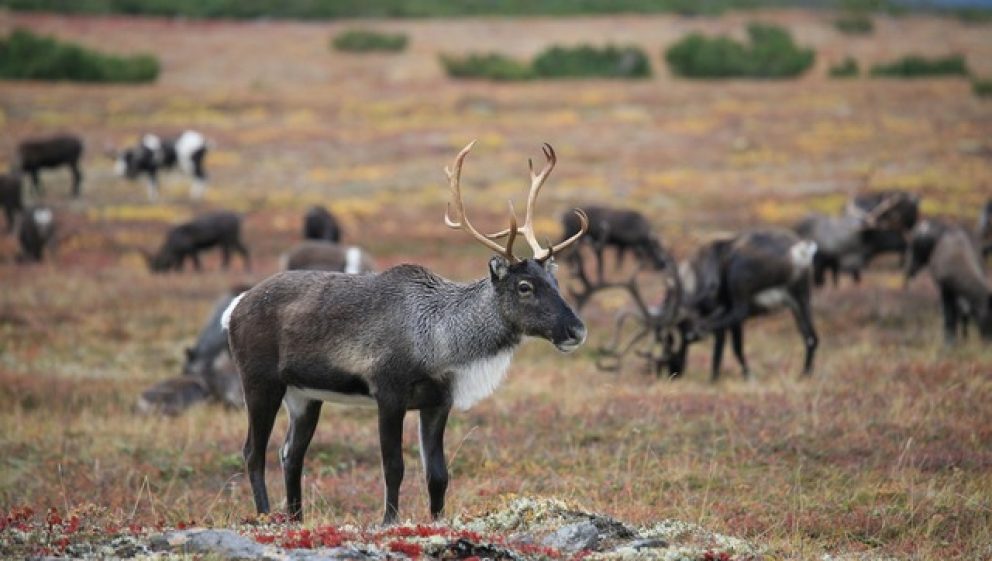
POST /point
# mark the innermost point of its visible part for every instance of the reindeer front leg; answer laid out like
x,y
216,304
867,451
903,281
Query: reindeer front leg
x,y
391,416
432,424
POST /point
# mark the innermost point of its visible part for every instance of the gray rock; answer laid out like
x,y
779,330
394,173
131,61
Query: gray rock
x,y
574,537
652,543
226,544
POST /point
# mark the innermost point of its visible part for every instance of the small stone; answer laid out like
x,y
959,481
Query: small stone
x,y
647,544
574,537
225,544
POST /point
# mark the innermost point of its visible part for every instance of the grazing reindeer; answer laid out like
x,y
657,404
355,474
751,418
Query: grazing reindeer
x,y
188,151
965,291
37,154
985,230
220,228
35,233
11,197
729,281
847,243
618,228
319,224
404,339
323,256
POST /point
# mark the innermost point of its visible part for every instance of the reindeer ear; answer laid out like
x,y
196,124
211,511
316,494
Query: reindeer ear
x,y
499,267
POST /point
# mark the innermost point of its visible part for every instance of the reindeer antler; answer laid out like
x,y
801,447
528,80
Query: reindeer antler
x,y
536,182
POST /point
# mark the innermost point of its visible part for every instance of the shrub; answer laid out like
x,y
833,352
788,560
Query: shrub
x,y
26,56
587,61
913,66
982,87
491,66
855,24
770,54
554,62
847,69
364,41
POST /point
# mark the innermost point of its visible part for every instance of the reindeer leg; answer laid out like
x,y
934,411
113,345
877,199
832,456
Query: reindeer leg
x,y
262,404
195,256
36,183
77,178
303,417
737,340
949,302
718,341
225,256
391,445
432,423
804,321
245,257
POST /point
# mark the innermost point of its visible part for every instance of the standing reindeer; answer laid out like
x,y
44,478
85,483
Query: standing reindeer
x,y
404,339
985,229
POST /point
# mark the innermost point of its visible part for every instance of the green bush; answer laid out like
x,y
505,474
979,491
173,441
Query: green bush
x,y
913,66
554,62
847,69
855,24
982,87
364,41
26,56
586,61
770,54
490,66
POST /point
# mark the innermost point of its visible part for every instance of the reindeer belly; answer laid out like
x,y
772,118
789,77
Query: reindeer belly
x,y
295,393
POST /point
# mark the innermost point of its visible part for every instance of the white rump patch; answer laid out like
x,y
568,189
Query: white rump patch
x,y
802,254
225,318
186,145
296,397
43,216
120,167
353,261
773,298
477,380
152,142
688,277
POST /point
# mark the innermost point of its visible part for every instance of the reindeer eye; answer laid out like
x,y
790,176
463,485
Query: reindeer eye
x,y
525,288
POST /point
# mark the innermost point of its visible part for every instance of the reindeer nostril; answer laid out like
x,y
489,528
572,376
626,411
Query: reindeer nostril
x,y
577,333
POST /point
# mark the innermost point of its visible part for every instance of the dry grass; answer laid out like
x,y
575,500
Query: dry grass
x,y
887,450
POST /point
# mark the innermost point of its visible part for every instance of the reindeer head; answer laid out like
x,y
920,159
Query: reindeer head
x,y
527,294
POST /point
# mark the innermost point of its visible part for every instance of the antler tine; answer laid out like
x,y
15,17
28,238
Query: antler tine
x,y
536,182
882,207
454,184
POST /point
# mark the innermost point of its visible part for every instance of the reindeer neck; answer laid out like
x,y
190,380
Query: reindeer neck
x,y
465,324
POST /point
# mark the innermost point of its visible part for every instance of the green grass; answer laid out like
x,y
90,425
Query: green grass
x,y
491,66
982,87
770,53
365,40
26,56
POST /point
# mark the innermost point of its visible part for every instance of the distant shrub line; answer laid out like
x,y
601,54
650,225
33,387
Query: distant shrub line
x,y
847,69
913,66
364,40
583,61
770,53
855,24
26,56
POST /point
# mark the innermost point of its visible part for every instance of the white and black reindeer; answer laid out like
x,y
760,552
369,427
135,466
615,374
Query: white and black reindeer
x,y
154,153
401,340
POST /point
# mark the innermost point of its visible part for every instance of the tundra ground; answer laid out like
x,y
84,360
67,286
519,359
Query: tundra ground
x,y
885,451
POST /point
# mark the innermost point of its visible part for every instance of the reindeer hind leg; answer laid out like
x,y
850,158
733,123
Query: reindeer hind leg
x,y
303,416
262,402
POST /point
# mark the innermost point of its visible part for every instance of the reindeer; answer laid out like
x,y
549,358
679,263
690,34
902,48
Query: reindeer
x,y
220,228
404,339
847,243
35,233
319,224
324,256
729,281
956,269
153,153
37,154
889,216
621,229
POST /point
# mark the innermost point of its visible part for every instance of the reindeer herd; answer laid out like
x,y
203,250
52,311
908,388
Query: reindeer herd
x,y
329,328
